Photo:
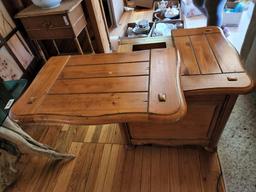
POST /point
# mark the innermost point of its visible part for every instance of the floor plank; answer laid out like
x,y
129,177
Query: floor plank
x,y
127,171
67,169
146,170
136,171
189,170
175,185
155,169
100,179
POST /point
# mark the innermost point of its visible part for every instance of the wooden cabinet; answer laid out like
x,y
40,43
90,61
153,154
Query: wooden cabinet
x,y
211,77
197,127
64,22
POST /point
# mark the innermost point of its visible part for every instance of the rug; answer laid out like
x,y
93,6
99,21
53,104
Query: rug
x,y
237,146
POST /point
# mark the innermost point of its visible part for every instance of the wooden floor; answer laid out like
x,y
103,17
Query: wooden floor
x,y
104,164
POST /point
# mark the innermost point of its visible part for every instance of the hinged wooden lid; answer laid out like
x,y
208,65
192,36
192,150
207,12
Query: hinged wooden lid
x,y
105,88
210,64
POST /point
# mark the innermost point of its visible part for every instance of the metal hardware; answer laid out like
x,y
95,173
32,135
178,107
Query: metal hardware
x,y
65,20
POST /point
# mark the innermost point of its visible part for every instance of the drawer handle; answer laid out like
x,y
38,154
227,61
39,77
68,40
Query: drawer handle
x,y
208,30
65,20
232,78
162,97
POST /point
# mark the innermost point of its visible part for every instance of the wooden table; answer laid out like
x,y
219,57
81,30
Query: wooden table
x,y
141,91
64,22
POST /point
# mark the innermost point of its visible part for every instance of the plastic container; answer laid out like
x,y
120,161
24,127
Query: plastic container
x,y
47,4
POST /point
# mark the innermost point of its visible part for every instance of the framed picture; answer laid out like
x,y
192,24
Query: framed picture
x,y
20,49
15,55
9,69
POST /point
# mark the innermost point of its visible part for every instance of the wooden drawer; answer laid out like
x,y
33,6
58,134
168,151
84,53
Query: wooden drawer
x,y
51,34
197,124
46,22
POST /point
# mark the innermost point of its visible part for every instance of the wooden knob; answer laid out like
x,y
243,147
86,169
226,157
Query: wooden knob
x,y
162,97
232,78
31,100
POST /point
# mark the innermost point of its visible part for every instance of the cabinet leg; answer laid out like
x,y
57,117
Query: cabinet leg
x,y
56,46
89,39
78,46
210,149
40,50
126,136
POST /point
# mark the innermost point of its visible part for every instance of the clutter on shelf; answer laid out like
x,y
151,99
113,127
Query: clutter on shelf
x,y
166,10
164,28
140,29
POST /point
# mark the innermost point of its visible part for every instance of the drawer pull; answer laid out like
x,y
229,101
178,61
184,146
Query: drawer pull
x,y
65,20
208,30
162,97
232,78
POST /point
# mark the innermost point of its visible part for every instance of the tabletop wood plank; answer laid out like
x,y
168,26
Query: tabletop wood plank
x,y
164,79
108,70
189,64
204,55
91,105
101,85
114,58
217,83
227,56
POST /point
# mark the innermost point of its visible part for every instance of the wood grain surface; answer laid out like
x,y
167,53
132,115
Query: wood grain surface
x,y
103,164
210,64
105,88
165,79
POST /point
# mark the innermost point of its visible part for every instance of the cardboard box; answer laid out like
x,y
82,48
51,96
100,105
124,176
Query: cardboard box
x,y
231,19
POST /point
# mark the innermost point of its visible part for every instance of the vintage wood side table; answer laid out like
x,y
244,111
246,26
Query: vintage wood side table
x,y
64,22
